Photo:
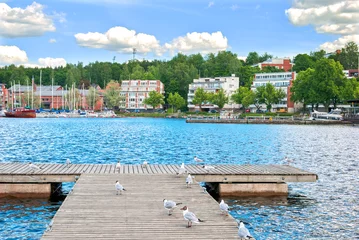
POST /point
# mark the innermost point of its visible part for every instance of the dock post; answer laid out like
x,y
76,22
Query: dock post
x,y
253,189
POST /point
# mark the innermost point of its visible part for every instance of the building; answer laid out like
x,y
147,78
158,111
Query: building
x,y
280,80
229,84
351,73
52,97
3,96
134,92
280,63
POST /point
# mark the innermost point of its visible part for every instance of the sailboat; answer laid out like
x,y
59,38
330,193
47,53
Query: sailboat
x,y
20,112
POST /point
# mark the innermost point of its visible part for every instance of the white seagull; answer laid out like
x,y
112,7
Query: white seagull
x,y
243,232
170,205
33,167
181,170
208,168
145,164
68,162
189,180
119,188
118,166
224,207
190,217
196,159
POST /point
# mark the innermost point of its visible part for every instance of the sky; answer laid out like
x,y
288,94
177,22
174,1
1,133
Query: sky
x,y
56,32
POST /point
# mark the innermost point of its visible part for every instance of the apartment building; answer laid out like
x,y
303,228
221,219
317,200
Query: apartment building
x,y
134,92
280,63
280,80
229,84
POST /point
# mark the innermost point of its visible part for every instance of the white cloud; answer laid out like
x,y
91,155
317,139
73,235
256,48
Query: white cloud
x,y
28,22
52,62
52,40
198,42
120,39
339,43
210,4
338,17
12,55
234,7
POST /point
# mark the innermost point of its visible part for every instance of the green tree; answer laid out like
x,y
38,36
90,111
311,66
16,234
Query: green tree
x,y
219,98
92,98
200,97
349,56
316,56
252,58
268,95
302,62
244,96
303,89
112,94
154,99
18,75
176,101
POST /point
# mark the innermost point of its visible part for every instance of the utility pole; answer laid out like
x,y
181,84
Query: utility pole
x,y
134,53
113,59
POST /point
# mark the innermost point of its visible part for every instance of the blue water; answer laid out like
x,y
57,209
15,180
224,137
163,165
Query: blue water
x,y
327,209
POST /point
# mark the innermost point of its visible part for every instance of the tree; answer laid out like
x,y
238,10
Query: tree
x,y
268,95
302,62
200,97
176,100
252,58
316,56
303,89
328,78
219,98
112,94
154,99
92,98
349,56
244,96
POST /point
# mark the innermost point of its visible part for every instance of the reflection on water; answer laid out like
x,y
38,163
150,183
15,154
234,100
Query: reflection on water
x,y
327,209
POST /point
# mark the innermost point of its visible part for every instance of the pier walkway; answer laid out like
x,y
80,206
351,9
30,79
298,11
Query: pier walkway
x,y
57,173
94,211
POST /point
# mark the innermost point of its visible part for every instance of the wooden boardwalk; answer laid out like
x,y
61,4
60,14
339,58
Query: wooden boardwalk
x,y
20,172
94,211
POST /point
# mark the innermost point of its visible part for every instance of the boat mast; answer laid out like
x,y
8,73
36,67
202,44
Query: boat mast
x,y
20,93
52,93
28,92
32,92
40,87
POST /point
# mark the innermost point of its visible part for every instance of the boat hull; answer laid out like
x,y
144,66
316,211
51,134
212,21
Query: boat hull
x,y
21,114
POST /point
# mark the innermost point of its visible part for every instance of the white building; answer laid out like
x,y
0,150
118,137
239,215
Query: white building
x,y
134,92
229,84
280,80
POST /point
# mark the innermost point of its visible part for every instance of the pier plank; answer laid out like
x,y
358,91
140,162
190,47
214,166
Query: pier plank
x,y
93,210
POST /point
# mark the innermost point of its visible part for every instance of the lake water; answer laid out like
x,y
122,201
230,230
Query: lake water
x,y
327,209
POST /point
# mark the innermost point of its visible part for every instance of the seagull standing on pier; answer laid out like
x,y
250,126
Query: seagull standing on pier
x,y
119,188
224,207
145,164
181,170
208,168
189,180
33,167
68,162
170,205
118,166
243,232
196,159
190,217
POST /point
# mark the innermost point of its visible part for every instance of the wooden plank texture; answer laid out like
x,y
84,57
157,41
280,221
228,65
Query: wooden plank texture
x,y
94,211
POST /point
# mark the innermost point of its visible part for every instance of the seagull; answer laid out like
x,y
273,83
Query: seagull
x,y
49,226
189,180
208,168
170,205
68,162
181,170
190,217
118,166
243,231
196,159
145,164
204,189
119,188
33,167
224,207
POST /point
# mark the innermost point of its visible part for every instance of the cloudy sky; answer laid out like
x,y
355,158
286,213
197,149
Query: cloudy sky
x,y
56,32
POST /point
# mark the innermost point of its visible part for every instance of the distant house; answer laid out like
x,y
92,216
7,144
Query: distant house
x,y
280,63
3,96
134,92
229,84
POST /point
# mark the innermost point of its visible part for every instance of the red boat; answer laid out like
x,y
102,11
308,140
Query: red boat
x,y
21,113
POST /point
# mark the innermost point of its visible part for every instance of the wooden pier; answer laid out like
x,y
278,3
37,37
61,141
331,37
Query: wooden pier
x,y
94,211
